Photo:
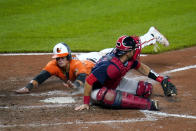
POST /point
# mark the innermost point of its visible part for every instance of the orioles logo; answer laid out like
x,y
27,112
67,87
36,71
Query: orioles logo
x,y
58,50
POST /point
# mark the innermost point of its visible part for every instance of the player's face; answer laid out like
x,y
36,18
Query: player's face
x,y
130,54
62,61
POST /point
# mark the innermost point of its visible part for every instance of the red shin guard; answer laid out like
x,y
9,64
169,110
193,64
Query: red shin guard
x,y
119,99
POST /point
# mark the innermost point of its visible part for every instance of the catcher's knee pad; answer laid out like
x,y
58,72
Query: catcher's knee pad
x,y
106,96
119,99
144,89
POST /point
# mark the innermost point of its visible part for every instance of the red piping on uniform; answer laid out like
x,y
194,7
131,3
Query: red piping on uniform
x,y
147,41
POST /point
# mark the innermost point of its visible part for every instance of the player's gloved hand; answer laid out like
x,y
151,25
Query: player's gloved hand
x,y
168,88
82,107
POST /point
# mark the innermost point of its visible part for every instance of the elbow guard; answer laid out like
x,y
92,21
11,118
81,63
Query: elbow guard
x,y
81,77
44,75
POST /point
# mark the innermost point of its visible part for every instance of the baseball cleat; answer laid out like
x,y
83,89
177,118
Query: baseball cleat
x,y
23,90
160,38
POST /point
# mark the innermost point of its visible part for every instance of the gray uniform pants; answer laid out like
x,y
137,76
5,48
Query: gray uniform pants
x,y
126,85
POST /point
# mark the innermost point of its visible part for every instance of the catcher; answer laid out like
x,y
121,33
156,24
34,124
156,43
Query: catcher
x,y
65,66
107,86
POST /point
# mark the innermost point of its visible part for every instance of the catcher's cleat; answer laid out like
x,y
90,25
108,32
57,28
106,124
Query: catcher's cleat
x,y
23,90
160,38
155,105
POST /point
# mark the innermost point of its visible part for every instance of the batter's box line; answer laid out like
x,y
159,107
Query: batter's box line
x,y
81,122
165,73
163,114
149,116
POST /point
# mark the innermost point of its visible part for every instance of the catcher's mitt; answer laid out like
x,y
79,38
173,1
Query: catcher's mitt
x,y
168,88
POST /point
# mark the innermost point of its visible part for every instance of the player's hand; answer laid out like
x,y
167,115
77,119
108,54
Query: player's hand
x,y
82,107
69,84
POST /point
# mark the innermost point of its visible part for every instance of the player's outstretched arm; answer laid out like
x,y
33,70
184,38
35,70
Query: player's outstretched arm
x,y
169,89
44,75
87,93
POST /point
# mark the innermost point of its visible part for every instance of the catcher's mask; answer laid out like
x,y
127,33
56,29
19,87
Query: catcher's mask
x,y
127,43
61,50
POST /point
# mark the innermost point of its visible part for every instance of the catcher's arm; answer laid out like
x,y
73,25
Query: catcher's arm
x,y
87,93
168,88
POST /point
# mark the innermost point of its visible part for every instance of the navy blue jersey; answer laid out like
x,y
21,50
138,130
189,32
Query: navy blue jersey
x,y
109,70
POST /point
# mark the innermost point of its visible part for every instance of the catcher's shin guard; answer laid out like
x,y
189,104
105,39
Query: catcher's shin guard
x,y
144,89
119,99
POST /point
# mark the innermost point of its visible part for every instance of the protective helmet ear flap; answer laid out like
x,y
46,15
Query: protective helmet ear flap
x,y
69,51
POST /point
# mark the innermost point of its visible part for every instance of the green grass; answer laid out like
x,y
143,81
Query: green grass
x,y
91,25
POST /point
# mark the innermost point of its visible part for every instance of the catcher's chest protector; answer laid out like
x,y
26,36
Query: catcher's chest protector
x,y
123,68
114,68
116,71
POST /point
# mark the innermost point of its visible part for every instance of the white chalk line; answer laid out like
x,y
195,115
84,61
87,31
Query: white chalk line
x,y
77,123
36,107
149,116
20,54
50,93
180,69
23,54
168,115
60,100
166,72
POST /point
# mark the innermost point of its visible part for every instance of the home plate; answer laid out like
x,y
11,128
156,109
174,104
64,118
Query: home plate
x,y
59,100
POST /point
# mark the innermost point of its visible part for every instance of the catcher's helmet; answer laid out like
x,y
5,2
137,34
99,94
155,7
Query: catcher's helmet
x,y
61,50
126,43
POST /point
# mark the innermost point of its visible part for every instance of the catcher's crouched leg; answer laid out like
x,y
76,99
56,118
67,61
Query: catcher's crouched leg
x,y
120,99
144,89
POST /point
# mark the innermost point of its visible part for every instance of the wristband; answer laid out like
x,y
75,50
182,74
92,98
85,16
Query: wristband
x,y
159,79
77,84
29,86
153,75
86,100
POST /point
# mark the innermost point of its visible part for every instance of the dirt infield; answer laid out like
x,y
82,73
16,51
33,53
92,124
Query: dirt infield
x,y
28,112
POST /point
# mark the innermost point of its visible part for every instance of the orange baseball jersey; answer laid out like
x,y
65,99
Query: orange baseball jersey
x,y
76,67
